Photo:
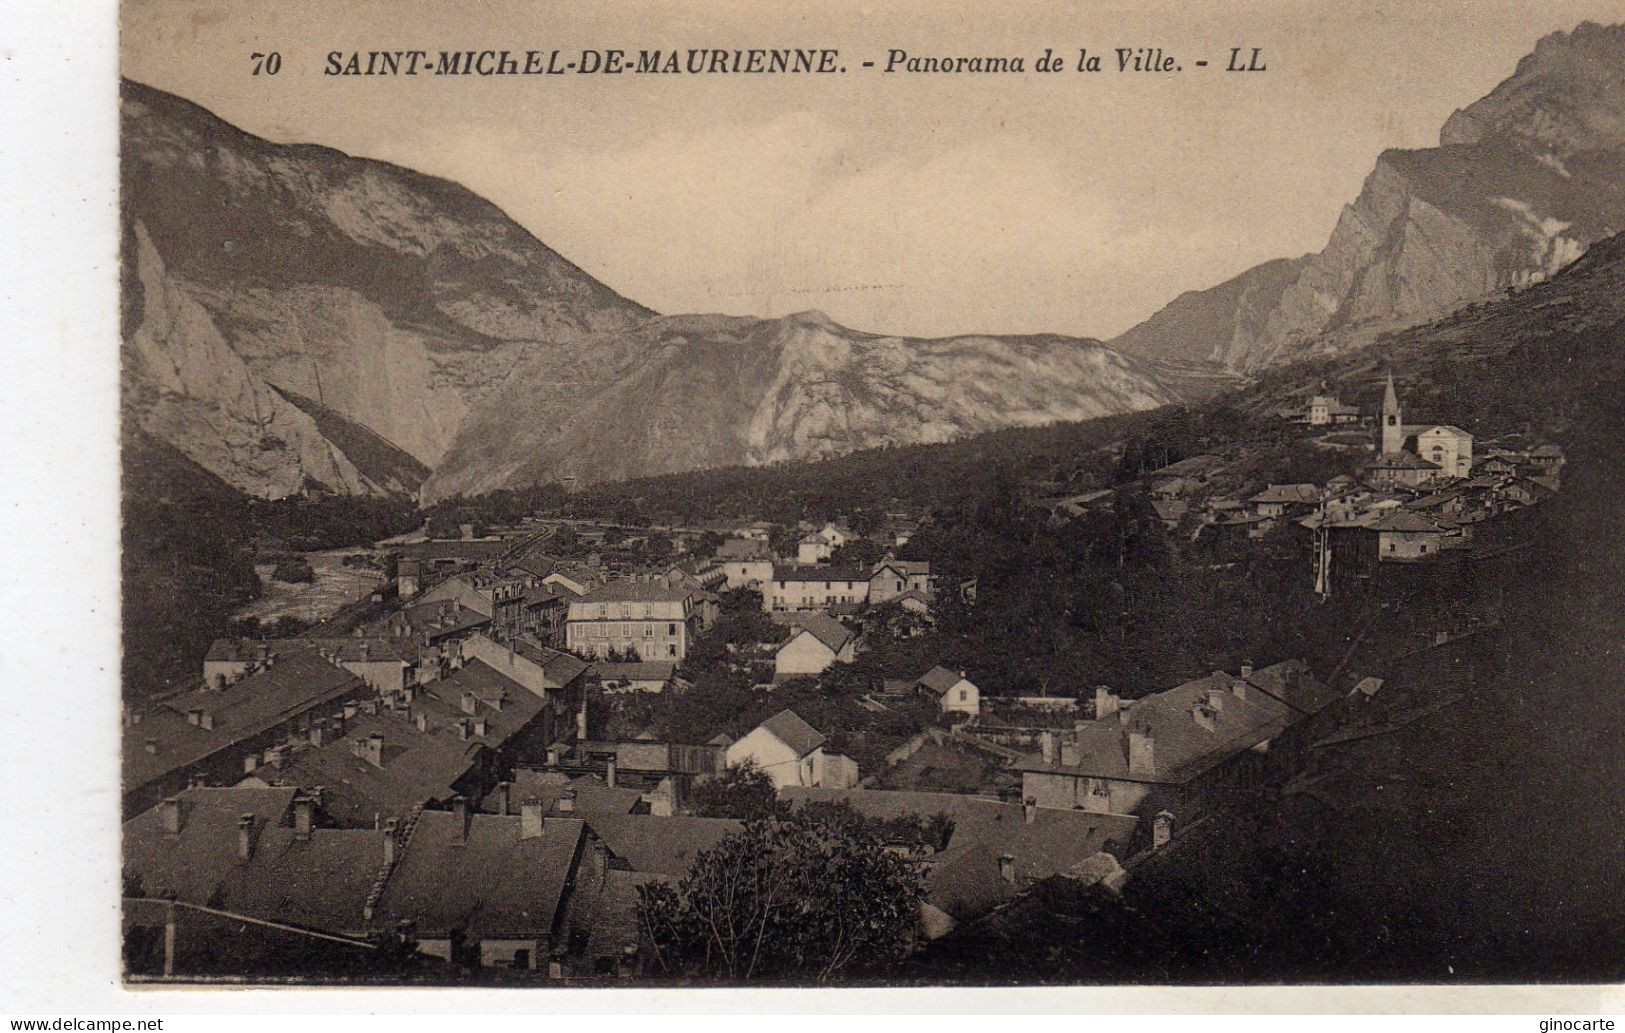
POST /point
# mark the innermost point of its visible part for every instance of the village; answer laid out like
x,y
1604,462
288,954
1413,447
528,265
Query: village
x,y
480,764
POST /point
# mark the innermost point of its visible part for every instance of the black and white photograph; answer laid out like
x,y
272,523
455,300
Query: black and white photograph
x,y
675,495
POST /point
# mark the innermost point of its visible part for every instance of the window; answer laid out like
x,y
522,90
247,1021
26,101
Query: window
x,y
964,695
671,629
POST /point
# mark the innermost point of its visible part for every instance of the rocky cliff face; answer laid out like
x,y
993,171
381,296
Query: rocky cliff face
x,y
298,318
254,272
696,391
1521,183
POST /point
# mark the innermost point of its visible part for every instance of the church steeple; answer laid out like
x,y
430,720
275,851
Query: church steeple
x,y
1393,423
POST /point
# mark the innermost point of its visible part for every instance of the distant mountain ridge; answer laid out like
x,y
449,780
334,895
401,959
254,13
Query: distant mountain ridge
x,y
1521,183
296,318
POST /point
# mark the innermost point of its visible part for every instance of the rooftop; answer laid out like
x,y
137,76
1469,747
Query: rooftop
x,y
476,874
664,846
1182,748
831,632
790,729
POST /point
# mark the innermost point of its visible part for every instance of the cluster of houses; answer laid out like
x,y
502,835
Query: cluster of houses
x,y
425,785
1422,494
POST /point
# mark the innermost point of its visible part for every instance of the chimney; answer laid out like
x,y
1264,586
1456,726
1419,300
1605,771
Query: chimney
x,y
173,811
304,816
531,817
1204,717
609,773
567,802
1123,710
1239,686
273,756
1046,746
245,837
1029,810
1247,669
1142,758
470,702
1215,699
152,745
391,843
370,749
366,650
552,756
504,797
1007,868
421,720
318,728
205,720
480,727
1105,702
194,716
251,762
337,725
459,807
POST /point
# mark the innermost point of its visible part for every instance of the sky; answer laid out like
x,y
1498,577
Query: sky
x,y
923,204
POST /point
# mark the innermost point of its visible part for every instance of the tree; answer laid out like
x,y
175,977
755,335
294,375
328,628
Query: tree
x,y
745,792
790,900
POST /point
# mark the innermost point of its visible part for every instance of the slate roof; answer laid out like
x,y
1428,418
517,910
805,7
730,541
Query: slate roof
x,y
491,884
939,679
418,766
1291,682
820,574
737,549
299,680
316,883
1288,494
788,727
663,846
557,666
1407,522
831,632
591,794
636,592
1183,749
1402,461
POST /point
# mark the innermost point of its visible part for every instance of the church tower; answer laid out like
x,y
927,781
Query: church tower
x,y
1393,424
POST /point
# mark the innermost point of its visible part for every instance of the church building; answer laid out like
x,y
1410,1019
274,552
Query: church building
x,y
1413,454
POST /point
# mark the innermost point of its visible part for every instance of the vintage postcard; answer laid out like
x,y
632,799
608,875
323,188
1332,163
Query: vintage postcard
x,y
682,494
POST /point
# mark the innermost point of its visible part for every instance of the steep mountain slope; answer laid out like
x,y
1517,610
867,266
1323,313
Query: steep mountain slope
x,y
296,318
699,391
395,300
1522,181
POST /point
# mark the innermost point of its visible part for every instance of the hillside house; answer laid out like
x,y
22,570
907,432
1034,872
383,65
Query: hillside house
x,y
950,690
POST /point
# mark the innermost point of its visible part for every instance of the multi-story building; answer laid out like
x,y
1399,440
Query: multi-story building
x,y
650,618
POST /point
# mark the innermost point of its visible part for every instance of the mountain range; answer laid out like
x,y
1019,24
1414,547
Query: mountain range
x,y
299,319
1521,183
